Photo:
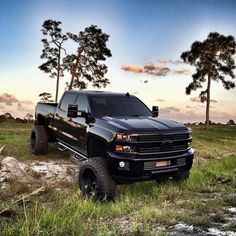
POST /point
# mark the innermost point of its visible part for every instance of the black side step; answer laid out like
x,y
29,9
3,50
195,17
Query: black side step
x,y
78,156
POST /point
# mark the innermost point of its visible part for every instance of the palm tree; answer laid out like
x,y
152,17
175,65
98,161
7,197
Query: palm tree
x,y
213,59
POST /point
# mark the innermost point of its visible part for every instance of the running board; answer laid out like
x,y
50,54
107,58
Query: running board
x,y
78,156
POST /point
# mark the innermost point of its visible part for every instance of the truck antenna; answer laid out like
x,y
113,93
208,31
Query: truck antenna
x,y
127,94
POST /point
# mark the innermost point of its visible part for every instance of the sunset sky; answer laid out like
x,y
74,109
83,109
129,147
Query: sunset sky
x,y
143,34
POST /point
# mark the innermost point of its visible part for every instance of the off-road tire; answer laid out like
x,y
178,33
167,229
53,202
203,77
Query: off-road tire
x,y
94,180
39,140
181,176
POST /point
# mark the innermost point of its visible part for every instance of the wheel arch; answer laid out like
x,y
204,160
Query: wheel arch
x,y
96,146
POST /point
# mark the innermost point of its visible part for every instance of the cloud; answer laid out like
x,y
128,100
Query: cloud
x,y
160,100
195,115
8,99
131,68
24,108
15,106
176,62
157,69
27,102
191,107
162,62
198,100
184,71
168,110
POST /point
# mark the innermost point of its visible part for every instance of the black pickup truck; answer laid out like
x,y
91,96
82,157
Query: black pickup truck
x,y
120,140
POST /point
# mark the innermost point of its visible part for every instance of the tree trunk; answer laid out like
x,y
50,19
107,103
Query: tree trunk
x,y
208,102
58,74
57,86
74,68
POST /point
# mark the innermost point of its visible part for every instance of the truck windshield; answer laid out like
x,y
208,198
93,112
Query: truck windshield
x,y
118,106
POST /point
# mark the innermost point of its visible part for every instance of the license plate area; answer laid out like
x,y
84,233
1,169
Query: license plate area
x,y
163,163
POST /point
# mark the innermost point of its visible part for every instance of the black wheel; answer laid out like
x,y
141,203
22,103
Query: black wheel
x,y
182,175
94,180
39,140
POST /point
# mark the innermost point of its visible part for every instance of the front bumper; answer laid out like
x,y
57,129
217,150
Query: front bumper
x,y
144,167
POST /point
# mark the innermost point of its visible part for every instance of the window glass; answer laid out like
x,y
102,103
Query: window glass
x,y
69,98
82,102
118,106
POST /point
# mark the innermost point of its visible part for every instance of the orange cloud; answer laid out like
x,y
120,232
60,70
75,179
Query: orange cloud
x,y
131,68
158,69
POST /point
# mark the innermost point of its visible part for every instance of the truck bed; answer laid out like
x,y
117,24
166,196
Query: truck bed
x,y
46,110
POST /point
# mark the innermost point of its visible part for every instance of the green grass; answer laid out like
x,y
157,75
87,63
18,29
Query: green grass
x,y
139,209
16,139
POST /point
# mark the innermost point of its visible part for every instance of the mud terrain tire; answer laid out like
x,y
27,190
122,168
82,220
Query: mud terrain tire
x,y
181,176
94,180
39,140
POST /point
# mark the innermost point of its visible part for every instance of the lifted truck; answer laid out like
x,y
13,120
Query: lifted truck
x,y
119,138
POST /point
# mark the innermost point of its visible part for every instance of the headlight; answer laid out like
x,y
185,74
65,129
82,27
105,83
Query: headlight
x,y
122,137
126,137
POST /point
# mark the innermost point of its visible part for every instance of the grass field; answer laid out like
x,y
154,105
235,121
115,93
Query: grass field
x,y
140,209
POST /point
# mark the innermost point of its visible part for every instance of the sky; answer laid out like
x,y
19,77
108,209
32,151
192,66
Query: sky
x,y
146,41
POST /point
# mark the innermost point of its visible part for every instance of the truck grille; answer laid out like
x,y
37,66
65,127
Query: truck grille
x,y
161,137
163,148
148,144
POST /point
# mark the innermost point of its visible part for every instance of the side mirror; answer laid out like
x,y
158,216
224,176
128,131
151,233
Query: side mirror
x,y
72,111
155,111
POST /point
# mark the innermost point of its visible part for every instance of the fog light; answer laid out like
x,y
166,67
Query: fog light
x,y
122,164
120,148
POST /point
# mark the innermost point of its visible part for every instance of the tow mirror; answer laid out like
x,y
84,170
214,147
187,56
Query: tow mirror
x,y
155,111
72,111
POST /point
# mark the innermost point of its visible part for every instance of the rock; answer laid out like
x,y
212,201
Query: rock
x,y
232,209
49,172
184,228
217,232
55,171
12,168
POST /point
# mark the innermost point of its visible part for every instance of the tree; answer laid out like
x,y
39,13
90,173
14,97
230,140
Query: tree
x,y
45,97
85,63
29,117
230,122
213,59
52,50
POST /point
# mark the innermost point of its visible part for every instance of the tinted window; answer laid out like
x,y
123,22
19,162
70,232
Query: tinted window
x,y
82,102
69,98
118,106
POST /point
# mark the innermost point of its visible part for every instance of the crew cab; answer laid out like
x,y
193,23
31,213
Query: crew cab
x,y
119,139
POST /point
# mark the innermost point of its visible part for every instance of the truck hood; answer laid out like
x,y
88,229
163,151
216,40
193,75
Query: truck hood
x,y
140,124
